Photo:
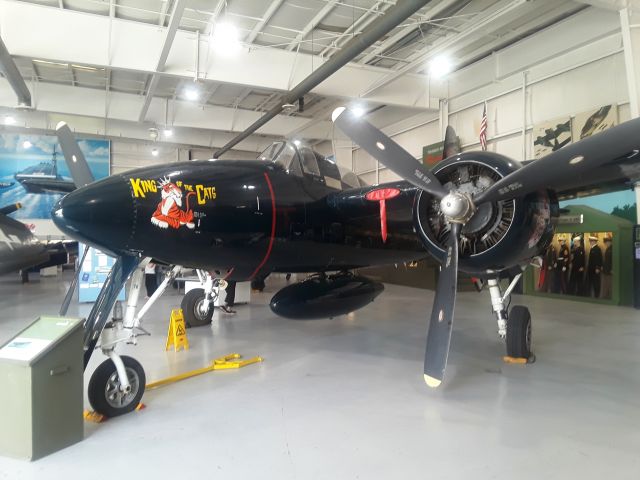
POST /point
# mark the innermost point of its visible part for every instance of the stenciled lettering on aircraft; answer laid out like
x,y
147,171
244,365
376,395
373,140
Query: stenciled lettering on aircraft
x,y
142,187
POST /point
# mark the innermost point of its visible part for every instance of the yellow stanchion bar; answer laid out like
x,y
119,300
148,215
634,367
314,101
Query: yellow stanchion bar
x,y
227,362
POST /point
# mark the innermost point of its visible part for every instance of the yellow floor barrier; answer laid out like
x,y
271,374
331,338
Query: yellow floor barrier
x,y
227,362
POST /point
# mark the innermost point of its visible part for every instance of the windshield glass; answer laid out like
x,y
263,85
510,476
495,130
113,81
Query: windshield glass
x,y
279,152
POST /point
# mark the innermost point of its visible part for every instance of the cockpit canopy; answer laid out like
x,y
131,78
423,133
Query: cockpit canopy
x,y
299,159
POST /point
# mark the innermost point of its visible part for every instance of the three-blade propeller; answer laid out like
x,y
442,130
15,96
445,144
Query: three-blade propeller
x,y
573,161
394,157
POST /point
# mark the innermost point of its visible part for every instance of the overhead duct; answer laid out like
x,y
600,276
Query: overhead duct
x,y
354,47
10,71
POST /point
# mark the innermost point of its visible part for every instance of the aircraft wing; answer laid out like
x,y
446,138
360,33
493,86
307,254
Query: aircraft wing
x,y
19,249
620,174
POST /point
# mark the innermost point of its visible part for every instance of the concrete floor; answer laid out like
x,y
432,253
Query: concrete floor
x,y
345,399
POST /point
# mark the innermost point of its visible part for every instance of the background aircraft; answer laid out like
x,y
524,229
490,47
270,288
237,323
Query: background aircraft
x,y
293,210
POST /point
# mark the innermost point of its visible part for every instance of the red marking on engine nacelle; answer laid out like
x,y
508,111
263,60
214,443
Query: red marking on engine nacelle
x,y
381,195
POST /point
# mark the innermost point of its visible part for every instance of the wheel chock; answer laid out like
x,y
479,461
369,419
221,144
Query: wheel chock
x,y
228,362
95,417
518,360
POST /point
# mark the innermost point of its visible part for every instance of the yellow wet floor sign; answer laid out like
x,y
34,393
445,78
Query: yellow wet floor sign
x,y
177,334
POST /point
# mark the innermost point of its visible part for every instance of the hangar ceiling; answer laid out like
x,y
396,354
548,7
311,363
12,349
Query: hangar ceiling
x,y
133,60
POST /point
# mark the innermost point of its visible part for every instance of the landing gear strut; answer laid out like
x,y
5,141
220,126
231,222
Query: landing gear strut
x,y
198,304
514,326
117,385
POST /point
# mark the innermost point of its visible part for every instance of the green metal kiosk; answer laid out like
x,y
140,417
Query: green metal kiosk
x,y
41,375
579,221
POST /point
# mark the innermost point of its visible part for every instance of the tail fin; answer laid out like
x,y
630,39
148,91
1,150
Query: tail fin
x,y
451,143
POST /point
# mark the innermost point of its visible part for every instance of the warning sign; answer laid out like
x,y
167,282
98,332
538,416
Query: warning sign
x,y
177,334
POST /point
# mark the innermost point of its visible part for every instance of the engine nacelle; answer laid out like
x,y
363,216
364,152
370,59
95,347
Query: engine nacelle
x,y
500,235
322,297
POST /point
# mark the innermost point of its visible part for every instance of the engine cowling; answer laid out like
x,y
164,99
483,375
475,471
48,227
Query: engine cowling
x,y
325,296
500,234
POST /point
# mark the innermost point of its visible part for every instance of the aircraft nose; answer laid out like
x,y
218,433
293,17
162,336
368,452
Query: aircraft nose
x,y
101,214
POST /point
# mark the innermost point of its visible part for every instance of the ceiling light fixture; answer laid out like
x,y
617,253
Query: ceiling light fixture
x,y
167,132
440,66
27,144
191,93
226,38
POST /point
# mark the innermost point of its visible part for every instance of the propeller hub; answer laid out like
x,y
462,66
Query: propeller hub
x,y
457,207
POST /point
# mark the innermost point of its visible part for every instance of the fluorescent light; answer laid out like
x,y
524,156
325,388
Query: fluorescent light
x,y
155,152
9,120
191,93
167,132
226,38
440,66
27,144
357,111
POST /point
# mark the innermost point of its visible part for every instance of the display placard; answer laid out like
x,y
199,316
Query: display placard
x,y
92,274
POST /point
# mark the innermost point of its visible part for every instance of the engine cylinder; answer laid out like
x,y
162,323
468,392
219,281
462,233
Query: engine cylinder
x,y
500,234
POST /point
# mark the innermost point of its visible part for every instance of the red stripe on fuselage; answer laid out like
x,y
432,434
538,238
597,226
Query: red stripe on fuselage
x,y
273,226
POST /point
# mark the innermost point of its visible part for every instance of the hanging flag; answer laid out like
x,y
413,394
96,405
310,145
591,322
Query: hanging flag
x,y
483,129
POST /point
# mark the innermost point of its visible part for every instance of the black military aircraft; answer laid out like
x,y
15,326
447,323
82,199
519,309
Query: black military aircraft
x,y
293,210
19,249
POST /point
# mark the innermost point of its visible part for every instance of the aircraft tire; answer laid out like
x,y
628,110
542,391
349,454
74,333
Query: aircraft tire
x,y
104,396
190,305
519,332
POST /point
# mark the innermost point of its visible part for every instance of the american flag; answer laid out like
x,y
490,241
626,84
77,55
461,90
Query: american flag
x,y
483,128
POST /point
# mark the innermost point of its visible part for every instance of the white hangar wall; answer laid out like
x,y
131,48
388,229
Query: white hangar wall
x,y
573,66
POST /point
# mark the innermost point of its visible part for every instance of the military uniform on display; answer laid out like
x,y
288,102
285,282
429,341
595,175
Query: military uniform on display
x,y
607,270
594,268
576,277
547,271
561,269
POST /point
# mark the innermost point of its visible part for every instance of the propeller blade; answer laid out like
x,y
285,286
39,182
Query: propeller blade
x,y
441,324
74,157
610,146
387,152
72,288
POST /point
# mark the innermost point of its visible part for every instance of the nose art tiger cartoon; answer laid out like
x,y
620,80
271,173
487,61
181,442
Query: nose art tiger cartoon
x,y
169,213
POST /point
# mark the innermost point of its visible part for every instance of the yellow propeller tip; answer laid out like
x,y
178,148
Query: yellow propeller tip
x,y
432,382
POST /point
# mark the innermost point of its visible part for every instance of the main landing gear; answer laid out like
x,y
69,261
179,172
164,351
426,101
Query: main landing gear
x,y
514,325
198,304
117,385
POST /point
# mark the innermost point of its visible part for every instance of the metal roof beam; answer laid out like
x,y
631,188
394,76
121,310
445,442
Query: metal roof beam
x,y
324,11
271,10
174,23
354,47
421,56
10,71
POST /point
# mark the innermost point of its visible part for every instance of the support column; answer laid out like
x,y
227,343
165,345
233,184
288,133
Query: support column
x,y
630,28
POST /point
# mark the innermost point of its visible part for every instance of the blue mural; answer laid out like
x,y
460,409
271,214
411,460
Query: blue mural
x,y
29,164
621,204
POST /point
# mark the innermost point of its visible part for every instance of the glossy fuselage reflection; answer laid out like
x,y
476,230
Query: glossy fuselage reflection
x,y
253,217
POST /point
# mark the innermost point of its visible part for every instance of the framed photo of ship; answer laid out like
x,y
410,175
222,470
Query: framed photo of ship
x,y
33,171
